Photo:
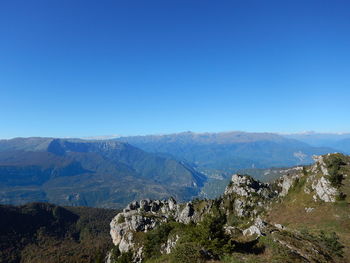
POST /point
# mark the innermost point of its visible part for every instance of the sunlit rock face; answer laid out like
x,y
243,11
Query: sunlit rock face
x,y
247,195
145,215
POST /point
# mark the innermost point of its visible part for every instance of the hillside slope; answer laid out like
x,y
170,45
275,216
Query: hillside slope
x,y
89,173
301,217
41,232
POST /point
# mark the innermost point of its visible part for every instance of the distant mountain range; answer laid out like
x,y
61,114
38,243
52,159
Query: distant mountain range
x,y
229,151
111,173
90,173
339,141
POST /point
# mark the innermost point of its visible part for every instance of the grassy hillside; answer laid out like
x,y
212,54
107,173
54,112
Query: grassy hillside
x,y
299,211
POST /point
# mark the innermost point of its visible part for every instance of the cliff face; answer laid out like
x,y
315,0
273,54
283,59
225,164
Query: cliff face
x,y
251,220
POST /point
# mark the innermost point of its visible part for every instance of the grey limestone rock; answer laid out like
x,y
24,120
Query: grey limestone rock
x,y
324,190
145,215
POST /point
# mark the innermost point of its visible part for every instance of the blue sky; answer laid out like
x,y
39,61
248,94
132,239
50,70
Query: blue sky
x,y
83,68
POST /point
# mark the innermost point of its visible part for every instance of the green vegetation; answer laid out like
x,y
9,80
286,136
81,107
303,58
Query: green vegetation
x,y
154,239
334,164
121,219
329,241
118,257
196,243
187,252
41,232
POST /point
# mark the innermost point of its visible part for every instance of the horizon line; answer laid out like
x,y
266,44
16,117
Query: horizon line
x,y
114,136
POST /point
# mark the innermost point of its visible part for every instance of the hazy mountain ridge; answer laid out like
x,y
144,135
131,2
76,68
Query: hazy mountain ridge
x,y
228,151
343,145
95,173
339,141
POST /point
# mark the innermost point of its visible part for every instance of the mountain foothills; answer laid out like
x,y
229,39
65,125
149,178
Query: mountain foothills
x,y
302,216
89,173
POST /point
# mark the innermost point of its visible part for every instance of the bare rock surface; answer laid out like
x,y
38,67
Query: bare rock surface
x,y
145,215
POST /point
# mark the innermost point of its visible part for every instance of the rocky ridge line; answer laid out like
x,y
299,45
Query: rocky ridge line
x,y
244,198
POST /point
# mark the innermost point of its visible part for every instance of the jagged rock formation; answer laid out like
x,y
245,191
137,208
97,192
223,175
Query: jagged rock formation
x,y
324,190
145,215
140,216
245,186
288,179
255,229
241,217
247,195
321,185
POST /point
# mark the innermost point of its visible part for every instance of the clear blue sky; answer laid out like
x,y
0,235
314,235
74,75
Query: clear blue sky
x,y
82,68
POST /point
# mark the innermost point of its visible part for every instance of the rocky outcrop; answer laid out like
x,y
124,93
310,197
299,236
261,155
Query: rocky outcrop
x,y
141,216
317,180
186,215
169,245
127,242
290,176
320,184
319,165
257,228
324,190
247,195
145,215
245,186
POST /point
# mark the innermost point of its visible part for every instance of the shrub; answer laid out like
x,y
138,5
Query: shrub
x,y
331,241
187,253
334,163
341,196
155,238
209,235
124,258
118,257
121,219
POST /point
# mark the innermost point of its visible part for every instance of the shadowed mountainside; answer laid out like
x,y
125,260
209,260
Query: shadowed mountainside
x,y
42,232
